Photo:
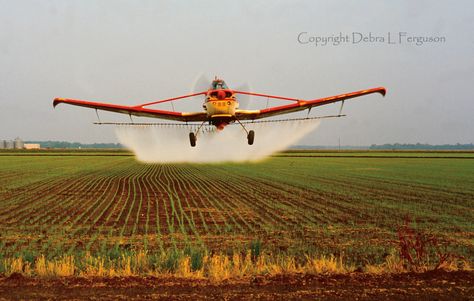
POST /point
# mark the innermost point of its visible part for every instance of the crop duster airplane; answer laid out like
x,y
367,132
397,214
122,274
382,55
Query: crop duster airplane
x,y
221,107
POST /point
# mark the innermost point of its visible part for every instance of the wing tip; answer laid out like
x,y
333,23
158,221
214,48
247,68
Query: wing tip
x,y
382,91
57,101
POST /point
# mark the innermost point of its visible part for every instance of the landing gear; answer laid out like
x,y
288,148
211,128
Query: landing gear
x,y
193,136
250,134
192,139
250,137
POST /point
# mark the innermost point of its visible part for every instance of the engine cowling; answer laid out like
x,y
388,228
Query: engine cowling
x,y
221,95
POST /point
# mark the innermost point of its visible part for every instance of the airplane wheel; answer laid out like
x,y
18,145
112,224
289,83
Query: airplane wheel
x,y
251,137
192,139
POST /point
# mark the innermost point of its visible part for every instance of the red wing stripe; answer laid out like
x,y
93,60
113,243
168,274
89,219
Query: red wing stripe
x,y
380,90
303,104
170,99
136,111
326,100
265,95
285,107
112,107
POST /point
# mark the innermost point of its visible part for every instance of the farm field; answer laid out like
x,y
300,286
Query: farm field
x,y
377,154
56,205
76,208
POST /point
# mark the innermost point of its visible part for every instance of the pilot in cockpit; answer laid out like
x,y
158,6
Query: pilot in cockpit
x,y
219,84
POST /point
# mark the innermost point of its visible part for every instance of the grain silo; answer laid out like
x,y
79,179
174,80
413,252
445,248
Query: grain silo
x,y
9,144
18,143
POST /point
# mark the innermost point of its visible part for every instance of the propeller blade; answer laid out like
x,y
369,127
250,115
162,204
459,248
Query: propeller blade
x,y
200,83
243,99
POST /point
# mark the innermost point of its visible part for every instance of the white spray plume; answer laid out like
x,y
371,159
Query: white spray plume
x,y
171,144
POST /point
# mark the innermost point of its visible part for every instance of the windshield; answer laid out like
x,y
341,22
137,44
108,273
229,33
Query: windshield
x,y
219,84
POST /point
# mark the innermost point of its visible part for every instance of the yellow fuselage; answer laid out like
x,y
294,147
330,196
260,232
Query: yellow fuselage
x,y
220,106
216,108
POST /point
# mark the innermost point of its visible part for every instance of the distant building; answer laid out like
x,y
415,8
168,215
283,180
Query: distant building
x,y
18,143
31,146
12,144
9,144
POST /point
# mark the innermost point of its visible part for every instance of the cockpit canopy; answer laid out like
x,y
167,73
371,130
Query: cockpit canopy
x,y
218,84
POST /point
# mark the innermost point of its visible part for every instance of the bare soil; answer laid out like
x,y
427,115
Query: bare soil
x,y
437,285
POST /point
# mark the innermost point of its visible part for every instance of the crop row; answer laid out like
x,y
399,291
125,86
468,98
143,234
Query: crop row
x,y
58,205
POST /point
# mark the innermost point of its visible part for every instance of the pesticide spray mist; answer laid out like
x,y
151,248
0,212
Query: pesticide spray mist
x,y
167,144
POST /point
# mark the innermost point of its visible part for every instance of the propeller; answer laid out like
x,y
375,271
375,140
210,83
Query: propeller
x,y
200,83
243,99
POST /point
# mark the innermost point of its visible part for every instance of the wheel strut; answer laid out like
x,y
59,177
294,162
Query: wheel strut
x,y
193,136
250,134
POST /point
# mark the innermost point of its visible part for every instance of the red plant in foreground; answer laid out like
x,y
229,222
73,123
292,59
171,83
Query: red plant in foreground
x,y
419,251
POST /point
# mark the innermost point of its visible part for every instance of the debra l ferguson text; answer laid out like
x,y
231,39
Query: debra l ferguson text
x,y
392,38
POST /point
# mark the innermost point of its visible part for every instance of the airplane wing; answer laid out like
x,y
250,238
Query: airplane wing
x,y
297,105
139,110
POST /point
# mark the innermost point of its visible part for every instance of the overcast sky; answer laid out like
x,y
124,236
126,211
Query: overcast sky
x,y
128,52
